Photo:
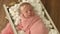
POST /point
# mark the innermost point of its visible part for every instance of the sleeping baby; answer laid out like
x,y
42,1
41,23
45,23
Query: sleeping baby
x,y
30,23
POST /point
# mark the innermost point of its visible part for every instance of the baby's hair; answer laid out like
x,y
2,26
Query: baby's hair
x,y
25,3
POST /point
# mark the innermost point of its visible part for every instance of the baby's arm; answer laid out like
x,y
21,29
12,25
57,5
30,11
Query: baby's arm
x,y
39,28
7,29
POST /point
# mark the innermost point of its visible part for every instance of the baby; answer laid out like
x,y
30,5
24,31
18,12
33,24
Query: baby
x,y
30,22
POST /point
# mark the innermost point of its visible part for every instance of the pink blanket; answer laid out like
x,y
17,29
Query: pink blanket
x,y
32,25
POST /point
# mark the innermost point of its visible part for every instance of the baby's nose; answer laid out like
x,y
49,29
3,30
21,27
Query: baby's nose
x,y
29,11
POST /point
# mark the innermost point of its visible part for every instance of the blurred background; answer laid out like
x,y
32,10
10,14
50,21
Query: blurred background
x,y
52,6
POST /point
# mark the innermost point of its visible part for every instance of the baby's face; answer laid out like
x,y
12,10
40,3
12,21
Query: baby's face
x,y
27,10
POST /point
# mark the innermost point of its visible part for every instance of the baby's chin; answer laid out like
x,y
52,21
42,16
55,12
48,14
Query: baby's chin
x,y
28,16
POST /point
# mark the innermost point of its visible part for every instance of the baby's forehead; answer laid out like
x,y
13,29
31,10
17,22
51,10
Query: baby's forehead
x,y
25,3
26,7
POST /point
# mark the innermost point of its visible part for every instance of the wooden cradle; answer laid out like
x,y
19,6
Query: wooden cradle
x,y
44,15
